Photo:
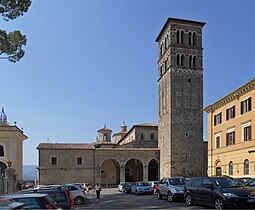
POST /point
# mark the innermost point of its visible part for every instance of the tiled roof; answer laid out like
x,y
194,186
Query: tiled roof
x,y
64,146
146,125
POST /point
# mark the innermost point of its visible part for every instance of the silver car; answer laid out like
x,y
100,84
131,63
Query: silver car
x,y
77,193
141,188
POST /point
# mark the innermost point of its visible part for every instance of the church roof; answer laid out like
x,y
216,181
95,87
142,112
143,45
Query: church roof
x,y
64,146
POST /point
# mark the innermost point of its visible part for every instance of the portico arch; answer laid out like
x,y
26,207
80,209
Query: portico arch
x,y
153,170
110,172
133,170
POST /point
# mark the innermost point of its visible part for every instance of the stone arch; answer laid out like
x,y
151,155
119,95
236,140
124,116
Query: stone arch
x,y
136,170
153,169
3,166
218,169
110,172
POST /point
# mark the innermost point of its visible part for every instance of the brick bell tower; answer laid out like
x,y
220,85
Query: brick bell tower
x,y
180,99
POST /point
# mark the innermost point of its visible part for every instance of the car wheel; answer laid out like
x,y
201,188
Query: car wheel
x,y
79,200
218,204
188,200
170,197
159,196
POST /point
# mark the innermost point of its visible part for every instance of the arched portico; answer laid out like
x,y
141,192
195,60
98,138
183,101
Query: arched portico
x,y
153,170
133,170
110,172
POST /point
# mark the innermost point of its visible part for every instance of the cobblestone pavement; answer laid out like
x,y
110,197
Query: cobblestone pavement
x,y
112,199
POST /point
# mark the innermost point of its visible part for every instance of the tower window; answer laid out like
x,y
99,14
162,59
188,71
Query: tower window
x,y
1,151
182,37
178,36
194,61
142,136
190,38
105,137
194,38
152,136
165,65
182,59
178,59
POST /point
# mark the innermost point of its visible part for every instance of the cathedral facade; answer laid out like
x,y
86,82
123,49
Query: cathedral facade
x,y
174,147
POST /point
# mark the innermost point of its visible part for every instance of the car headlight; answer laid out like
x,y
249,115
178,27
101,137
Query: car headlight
x,y
230,195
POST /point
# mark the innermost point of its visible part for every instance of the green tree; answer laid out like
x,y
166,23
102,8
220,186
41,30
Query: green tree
x,y
11,43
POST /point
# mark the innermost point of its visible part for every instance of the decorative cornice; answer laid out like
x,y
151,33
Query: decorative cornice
x,y
232,96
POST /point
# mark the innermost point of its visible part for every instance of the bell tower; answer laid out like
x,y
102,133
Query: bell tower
x,y
180,99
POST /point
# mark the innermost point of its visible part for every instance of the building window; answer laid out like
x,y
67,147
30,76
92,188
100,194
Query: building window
x,y
142,136
1,151
54,160
194,39
246,106
178,36
194,61
79,161
230,113
247,133
190,38
246,167
165,65
182,59
230,138
178,59
105,137
231,168
152,136
217,119
217,145
182,36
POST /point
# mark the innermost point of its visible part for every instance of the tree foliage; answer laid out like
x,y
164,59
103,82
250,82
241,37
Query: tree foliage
x,y
11,43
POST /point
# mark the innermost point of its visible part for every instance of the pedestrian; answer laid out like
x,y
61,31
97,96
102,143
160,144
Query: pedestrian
x,y
98,190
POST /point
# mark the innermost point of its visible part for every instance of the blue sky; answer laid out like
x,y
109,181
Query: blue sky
x,y
94,62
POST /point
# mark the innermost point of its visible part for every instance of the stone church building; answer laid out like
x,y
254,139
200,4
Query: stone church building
x,y
174,147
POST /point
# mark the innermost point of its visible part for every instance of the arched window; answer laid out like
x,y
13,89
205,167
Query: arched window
x,y
161,50
142,136
194,38
165,65
194,61
152,136
190,61
178,59
165,43
160,71
230,168
182,59
182,37
246,167
1,151
178,36
190,38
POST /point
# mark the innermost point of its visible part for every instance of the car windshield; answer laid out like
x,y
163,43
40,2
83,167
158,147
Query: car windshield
x,y
179,181
142,184
227,182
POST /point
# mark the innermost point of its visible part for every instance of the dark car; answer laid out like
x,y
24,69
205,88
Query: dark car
x,y
219,191
244,179
34,200
61,195
251,183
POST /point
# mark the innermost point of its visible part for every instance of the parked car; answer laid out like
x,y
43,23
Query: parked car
x,y
219,191
172,188
141,188
8,203
244,179
251,183
59,194
77,193
124,187
34,200
154,186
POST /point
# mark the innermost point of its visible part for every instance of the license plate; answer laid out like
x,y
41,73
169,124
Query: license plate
x,y
251,200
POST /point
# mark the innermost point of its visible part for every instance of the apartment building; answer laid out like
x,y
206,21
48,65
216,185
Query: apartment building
x,y
231,133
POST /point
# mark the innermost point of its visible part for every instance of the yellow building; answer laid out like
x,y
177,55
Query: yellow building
x,y
11,146
231,133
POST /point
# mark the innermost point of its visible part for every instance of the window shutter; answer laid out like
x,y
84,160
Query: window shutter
x,y
227,111
227,141
249,104
214,120
234,137
249,133
234,111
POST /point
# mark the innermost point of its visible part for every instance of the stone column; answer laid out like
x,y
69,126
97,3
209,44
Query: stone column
x,y
145,173
122,172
